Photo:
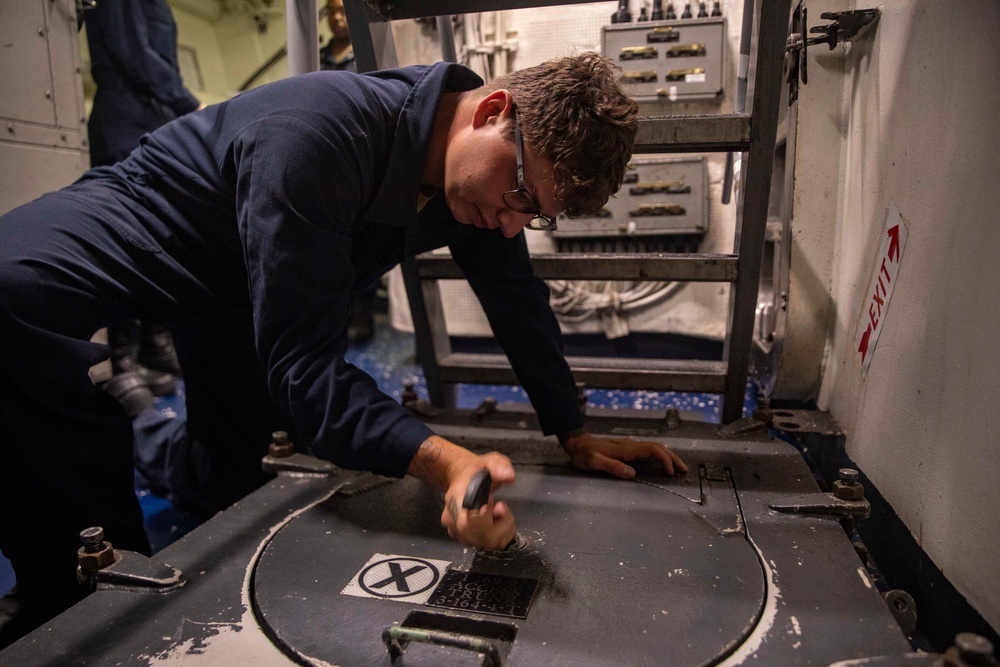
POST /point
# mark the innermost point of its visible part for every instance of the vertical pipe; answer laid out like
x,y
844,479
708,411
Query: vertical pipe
x,y
742,79
500,64
446,33
743,75
303,36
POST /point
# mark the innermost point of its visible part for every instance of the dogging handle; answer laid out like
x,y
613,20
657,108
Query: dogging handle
x,y
477,493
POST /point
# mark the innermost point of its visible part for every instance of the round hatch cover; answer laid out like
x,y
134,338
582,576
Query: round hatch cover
x,y
611,573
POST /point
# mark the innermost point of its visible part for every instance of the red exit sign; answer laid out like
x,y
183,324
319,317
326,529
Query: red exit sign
x,y
880,288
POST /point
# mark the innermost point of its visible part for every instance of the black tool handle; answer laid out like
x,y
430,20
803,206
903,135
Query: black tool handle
x,y
477,493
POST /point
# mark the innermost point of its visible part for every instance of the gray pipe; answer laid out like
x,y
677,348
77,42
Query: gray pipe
x,y
743,74
742,82
303,36
446,33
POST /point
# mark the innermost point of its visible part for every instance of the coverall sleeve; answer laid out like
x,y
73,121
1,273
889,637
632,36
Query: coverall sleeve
x,y
297,198
516,303
137,35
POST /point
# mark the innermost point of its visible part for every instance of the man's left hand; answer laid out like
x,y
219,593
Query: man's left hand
x,y
590,452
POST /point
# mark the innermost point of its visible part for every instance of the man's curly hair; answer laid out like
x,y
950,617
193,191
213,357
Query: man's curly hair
x,y
574,113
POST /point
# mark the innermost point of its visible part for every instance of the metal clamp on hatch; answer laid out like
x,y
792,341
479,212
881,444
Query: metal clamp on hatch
x,y
106,567
282,458
847,502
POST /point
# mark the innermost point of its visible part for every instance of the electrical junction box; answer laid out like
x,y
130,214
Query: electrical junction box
x,y
669,60
659,196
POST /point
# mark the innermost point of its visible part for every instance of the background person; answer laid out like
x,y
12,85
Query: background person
x,y
133,53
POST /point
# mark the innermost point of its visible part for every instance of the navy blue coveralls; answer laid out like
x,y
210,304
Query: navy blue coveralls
x,y
242,228
133,54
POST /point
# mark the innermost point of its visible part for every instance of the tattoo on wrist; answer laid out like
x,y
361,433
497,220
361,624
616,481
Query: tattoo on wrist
x,y
423,464
453,508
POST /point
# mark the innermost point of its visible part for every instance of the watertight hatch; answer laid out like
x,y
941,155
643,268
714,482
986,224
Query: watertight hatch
x,y
609,572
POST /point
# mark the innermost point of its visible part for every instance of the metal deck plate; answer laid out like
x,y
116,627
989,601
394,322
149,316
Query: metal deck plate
x,y
625,571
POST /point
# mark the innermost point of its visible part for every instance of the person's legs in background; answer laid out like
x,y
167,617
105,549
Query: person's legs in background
x,y
211,456
146,350
230,412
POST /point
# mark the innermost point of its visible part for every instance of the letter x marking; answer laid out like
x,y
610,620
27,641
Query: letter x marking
x,y
399,577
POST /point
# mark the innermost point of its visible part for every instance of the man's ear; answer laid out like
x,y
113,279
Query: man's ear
x,y
495,107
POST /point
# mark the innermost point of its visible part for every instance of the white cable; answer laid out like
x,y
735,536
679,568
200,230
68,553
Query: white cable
x,y
577,301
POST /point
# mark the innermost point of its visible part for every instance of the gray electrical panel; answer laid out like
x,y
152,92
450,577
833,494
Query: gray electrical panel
x,y
658,196
669,60
43,143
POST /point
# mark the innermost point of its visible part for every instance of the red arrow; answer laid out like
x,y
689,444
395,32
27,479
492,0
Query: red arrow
x,y
893,242
863,348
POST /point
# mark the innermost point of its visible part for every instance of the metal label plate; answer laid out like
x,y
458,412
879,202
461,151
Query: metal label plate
x,y
484,593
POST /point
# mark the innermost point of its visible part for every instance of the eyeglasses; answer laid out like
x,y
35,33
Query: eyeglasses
x,y
520,200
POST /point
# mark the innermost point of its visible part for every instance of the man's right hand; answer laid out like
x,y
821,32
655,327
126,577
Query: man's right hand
x,y
448,467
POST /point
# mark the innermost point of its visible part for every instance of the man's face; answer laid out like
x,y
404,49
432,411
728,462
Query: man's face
x,y
481,165
337,19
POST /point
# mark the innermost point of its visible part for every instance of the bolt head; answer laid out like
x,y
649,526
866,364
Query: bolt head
x,y
91,561
92,536
280,448
848,490
280,451
973,648
848,475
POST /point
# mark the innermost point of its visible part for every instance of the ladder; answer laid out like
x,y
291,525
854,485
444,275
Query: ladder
x,y
751,133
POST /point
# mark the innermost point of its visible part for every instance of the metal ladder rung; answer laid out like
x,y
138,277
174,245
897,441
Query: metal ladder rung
x,y
705,267
693,134
614,373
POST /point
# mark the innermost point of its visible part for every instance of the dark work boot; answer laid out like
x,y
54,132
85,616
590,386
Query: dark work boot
x,y
161,384
156,350
131,391
124,340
